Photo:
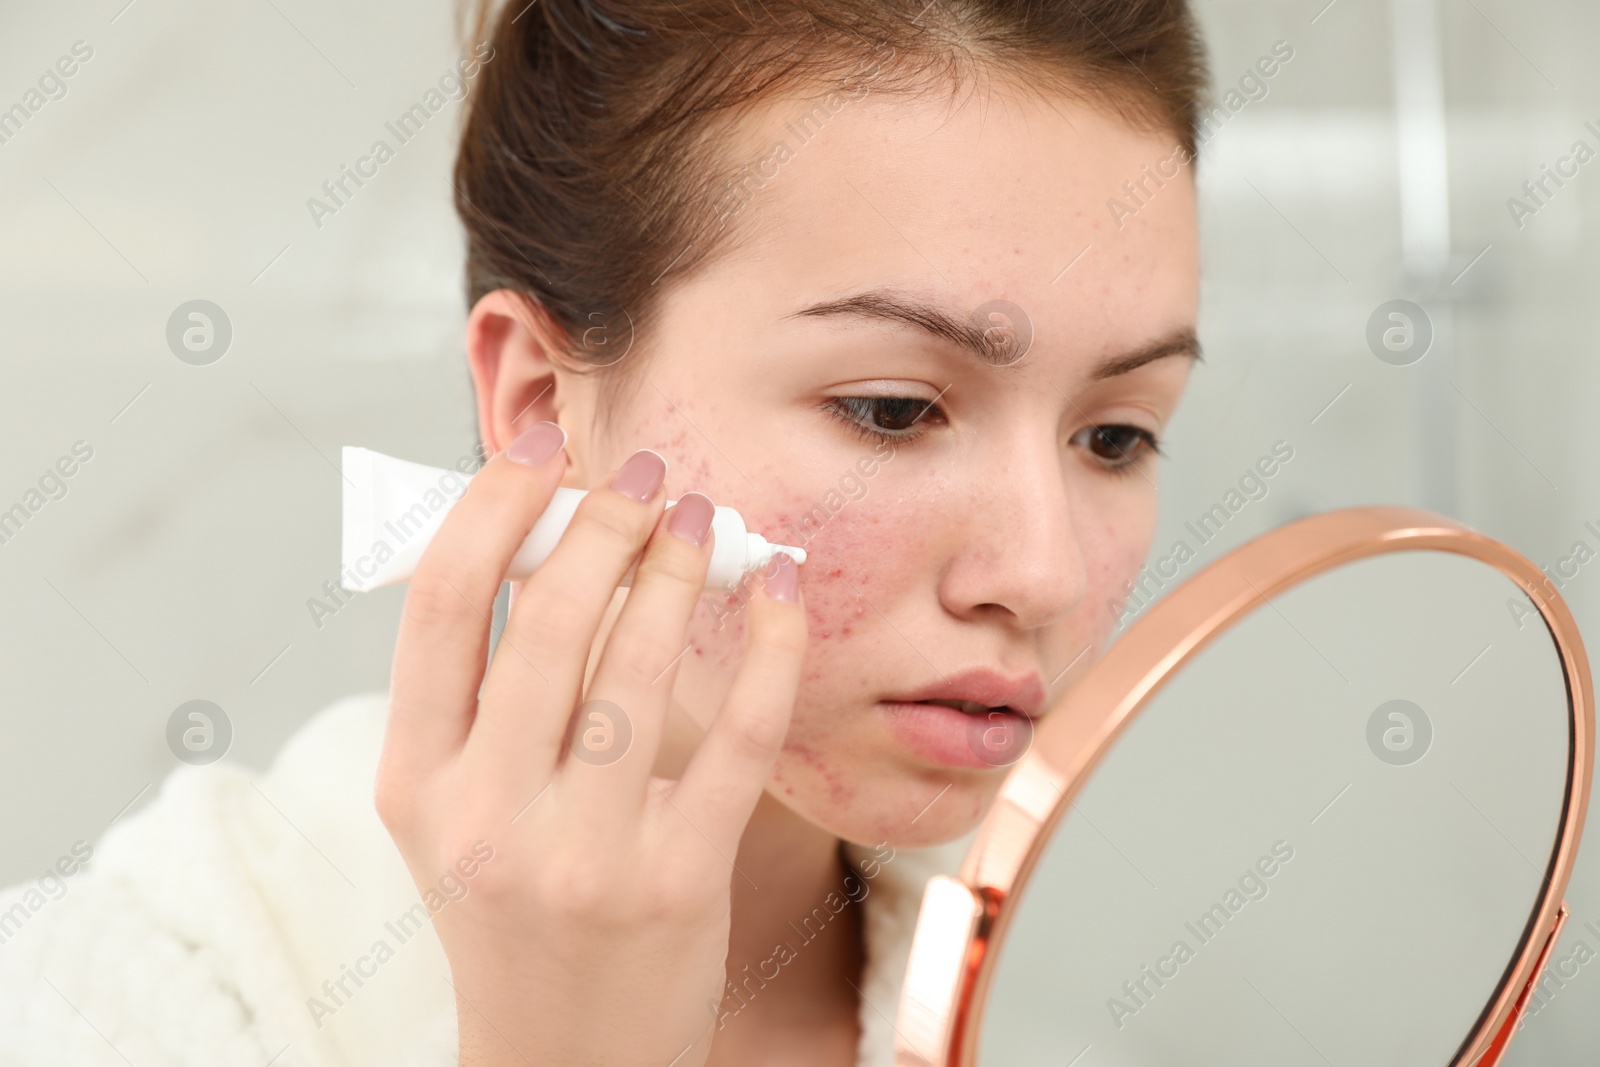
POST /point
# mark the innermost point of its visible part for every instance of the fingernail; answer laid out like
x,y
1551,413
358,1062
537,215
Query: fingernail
x,y
640,477
538,444
785,581
691,518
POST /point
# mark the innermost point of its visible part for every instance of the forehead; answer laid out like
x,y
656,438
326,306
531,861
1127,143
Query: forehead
x,y
997,193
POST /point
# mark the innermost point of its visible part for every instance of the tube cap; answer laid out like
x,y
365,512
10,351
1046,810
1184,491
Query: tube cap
x,y
759,552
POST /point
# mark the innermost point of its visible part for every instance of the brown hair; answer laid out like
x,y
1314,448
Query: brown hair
x,y
589,174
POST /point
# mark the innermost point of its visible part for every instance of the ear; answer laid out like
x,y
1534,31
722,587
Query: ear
x,y
509,342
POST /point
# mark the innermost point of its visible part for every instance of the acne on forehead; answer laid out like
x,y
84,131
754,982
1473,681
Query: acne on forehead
x,y
1000,150
895,193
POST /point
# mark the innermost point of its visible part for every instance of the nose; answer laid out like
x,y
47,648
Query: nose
x,y
1017,551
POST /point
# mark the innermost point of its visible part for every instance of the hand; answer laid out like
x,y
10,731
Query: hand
x,y
596,931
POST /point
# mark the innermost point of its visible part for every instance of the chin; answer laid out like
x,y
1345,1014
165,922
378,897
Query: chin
x,y
870,802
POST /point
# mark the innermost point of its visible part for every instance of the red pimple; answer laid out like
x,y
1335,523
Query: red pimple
x,y
803,750
836,789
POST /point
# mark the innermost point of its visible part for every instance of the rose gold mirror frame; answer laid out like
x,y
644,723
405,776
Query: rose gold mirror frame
x,y
964,920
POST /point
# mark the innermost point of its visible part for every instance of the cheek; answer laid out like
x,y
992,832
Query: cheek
x,y
857,563
852,580
1116,555
862,560
654,424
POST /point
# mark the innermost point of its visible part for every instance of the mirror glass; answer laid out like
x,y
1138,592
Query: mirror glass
x,y
1320,843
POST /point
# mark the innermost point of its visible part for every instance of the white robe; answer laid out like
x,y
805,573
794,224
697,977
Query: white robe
x,y
204,926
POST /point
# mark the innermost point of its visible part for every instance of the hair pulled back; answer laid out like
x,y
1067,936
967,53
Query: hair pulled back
x,y
590,170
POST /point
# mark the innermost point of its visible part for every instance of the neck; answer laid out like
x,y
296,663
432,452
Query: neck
x,y
794,943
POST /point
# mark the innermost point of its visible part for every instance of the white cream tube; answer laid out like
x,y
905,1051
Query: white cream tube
x,y
393,507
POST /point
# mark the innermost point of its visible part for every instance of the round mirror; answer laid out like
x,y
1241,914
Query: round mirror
x,y
1317,807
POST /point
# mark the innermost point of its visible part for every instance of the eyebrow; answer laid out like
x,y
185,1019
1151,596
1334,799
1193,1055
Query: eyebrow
x,y
937,321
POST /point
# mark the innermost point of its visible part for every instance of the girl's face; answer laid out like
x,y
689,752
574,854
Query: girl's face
x,y
970,516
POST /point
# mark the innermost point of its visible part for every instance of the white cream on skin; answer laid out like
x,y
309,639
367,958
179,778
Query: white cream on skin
x,y
393,507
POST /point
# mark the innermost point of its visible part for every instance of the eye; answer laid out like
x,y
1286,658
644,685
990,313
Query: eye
x,y
894,417
1117,447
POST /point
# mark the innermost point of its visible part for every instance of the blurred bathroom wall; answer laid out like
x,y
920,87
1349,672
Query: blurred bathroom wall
x,y
178,565
174,165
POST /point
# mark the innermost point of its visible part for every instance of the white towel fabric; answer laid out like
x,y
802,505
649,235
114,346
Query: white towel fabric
x,y
204,924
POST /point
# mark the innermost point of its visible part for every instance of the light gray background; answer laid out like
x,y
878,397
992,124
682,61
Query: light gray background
x,y
177,167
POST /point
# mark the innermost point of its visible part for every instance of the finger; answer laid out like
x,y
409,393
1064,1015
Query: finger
x,y
633,680
727,773
537,671
444,627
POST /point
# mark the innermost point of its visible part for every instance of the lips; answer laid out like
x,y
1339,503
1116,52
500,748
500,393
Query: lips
x,y
980,690
976,718
935,732
971,707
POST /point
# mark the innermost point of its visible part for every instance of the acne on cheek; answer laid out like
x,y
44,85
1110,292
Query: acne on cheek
x,y
721,628
855,564
849,566
859,562
799,754
662,429
833,611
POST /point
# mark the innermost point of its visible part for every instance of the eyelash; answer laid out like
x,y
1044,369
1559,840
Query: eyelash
x,y
857,412
1145,444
